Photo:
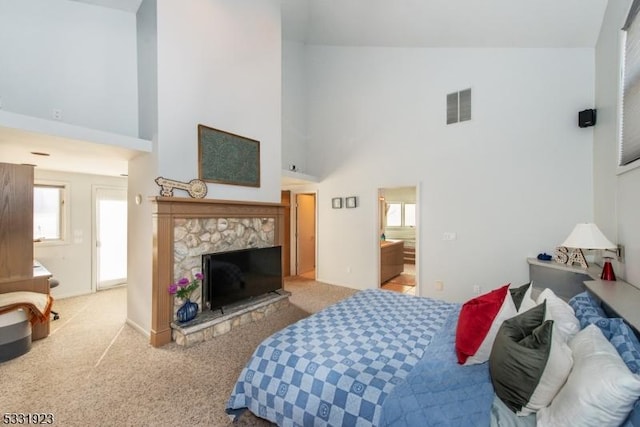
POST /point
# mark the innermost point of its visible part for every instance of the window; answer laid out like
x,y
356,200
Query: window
x,y
630,111
401,214
409,214
48,211
394,214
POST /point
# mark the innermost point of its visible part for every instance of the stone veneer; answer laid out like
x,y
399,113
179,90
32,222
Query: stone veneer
x,y
211,324
262,224
194,237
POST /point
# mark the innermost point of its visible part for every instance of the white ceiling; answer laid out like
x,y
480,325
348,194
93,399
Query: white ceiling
x,y
406,23
444,23
69,155
126,5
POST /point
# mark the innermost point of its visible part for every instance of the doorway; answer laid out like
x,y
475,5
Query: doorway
x,y
398,232
306,235
110,237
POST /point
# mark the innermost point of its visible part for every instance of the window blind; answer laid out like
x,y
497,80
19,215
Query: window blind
x,y
630,142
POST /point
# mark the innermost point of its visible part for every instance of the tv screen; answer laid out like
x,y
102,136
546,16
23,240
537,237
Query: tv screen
x,y
234,276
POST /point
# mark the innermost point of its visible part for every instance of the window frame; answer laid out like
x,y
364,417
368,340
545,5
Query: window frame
x,y
402,215
64,212
633,18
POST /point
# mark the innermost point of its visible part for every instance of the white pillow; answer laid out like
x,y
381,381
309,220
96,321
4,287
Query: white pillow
x,y
600,390
530,361
553,377
561,313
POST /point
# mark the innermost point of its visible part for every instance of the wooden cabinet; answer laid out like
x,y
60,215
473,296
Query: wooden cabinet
x,y
16,237
16,222
391,259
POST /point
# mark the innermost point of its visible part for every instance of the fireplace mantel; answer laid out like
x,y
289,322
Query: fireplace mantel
x,y
165,211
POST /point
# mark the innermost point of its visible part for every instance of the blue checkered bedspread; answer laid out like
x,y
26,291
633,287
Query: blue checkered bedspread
x,y
337,367
440,392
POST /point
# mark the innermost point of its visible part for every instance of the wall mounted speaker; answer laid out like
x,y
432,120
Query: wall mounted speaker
x,y
586,118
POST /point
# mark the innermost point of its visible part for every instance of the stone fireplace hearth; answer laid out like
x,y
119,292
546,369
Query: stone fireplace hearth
x,y
210,324
186,228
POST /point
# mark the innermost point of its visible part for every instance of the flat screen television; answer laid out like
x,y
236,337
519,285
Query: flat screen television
x,y
238,275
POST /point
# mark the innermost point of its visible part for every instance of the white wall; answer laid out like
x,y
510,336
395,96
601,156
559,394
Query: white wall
x,y
219,64
616,202
512,182
214,62
71,56
294,106
142,171
70,262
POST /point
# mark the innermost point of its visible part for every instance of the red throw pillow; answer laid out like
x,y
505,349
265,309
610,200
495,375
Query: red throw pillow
x,y
479,321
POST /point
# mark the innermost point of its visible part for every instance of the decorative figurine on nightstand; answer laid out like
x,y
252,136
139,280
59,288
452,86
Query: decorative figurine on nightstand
x,y
607,270
563,256
544,257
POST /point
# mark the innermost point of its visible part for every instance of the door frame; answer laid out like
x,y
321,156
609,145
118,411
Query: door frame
x,y
294,229
285,199
94,229
417,187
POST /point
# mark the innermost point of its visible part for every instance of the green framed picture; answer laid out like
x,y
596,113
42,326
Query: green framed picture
x,y
227,158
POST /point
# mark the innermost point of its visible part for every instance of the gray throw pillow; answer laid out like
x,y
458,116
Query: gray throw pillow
x,y
528,364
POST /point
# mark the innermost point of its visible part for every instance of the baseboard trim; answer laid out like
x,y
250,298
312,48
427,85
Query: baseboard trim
x,y
138,328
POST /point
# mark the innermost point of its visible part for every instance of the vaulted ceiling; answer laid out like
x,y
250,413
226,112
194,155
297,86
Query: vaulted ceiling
x,y
444,23
398,23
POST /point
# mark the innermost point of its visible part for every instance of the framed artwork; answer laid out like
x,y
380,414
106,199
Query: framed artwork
x,y
336,203
351,202
226,158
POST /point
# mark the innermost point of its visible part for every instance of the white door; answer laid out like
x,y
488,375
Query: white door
x,y
111,237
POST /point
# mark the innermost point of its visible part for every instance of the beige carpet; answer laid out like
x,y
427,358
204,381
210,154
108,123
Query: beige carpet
x,y
95,370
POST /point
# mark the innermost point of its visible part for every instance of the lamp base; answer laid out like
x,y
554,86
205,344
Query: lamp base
x,y
607,271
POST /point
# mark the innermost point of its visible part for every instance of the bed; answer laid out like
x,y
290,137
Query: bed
x,y
378,358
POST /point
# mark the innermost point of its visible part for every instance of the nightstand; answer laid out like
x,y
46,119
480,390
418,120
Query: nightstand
x,y
565,281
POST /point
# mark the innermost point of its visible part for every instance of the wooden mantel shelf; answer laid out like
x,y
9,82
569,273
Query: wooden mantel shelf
x,y
186,205
209,202
165,211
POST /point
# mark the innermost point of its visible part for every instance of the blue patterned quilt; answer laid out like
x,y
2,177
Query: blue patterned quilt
x,y
337,367
440,392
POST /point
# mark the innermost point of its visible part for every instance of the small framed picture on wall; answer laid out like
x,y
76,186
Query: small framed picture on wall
x,y
351,202
336,203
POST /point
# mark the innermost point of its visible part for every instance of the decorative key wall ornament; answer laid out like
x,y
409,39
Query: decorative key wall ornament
x,y
196,187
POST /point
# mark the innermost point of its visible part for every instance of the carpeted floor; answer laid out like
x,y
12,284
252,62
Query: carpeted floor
x,y
95,370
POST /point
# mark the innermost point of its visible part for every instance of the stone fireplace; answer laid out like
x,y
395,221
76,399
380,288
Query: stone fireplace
x,y
184,229
195,237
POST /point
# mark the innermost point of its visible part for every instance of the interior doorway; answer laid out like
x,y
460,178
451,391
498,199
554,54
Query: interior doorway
x,y
306,235
285,200
398,232
110,237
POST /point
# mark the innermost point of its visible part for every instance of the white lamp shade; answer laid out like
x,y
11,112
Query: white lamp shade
x,y
588,236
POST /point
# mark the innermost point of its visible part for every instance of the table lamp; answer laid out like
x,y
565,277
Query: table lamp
x,y
589,236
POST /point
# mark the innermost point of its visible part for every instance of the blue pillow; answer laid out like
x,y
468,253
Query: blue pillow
x,y
633,420
627,344
619,334
586,308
